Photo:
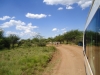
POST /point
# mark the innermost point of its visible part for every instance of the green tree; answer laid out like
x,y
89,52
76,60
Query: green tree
x,y
73,36
28,43
1,39
13,39
59,38
38,40
1,33
50,39
4,41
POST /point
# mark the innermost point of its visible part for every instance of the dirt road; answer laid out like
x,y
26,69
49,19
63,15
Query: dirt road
x,y
71,61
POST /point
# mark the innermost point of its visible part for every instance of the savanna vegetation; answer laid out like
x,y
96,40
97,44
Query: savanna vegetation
x,y
30,56
70,37
25,61
24,57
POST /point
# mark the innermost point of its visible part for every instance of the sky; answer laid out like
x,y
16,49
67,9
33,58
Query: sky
x,y
48,18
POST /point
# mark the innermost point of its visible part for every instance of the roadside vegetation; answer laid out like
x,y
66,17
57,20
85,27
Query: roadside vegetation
x,y
24,57
70,37
30,56
25,61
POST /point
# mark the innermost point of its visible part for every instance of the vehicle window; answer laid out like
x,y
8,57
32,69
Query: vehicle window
x,y
92,39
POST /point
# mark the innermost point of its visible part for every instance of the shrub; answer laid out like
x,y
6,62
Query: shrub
x,y
41,44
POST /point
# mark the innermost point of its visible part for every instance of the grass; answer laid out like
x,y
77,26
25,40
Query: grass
x,y
25,61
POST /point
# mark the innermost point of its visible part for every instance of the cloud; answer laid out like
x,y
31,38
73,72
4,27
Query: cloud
x,y
22,34
82,3
36,16
49,15
26,28
85,4
11,23
60,8
64,32
59,30
54,29
13,17
6,17
63,29
69,7
22,28
10,32
56,2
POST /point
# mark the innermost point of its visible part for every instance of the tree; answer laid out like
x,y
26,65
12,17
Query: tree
x,y
28,43
35,40
73,36
21,42
4,41
13,39
1,33
59,38
1,39
50,39
38,40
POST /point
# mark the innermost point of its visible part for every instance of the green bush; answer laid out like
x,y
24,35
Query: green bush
x,y
41,44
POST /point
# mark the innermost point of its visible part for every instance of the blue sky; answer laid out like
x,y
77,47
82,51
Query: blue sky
x,y
27,18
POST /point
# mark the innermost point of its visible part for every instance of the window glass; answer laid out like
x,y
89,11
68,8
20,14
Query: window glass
x,y
92,41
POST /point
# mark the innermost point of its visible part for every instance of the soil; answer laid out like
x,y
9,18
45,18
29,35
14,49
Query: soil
x,y
68,60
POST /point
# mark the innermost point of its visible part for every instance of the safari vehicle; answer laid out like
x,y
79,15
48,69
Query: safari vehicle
x,y
91,40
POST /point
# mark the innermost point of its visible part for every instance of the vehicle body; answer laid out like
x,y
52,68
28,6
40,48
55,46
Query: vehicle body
x,y
91,40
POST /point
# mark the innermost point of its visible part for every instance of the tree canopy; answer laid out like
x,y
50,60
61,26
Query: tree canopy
x,y
73,36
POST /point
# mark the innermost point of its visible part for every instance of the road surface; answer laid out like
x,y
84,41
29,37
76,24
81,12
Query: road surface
x,y
71,61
